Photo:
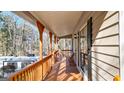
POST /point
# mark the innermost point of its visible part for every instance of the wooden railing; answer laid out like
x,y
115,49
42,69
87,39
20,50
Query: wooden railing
x,y
67,52
36,71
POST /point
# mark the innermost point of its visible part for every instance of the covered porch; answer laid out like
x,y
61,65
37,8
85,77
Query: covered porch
x,y
88,55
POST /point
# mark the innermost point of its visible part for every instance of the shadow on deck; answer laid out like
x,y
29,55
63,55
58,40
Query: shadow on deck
x,y
63,71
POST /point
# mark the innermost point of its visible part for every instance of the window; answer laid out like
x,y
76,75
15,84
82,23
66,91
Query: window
x,y
46,43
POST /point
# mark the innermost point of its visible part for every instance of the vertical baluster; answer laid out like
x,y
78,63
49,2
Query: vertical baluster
x,y
38,67
17,78
49,63
43,66
37,72
34,73
41,71
22,75
14,78
47,67
26,75
30,74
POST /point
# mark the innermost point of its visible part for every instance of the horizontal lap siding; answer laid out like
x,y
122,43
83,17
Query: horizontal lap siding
x,y
107,41
96,76
109,31
105,50
113,19
108,50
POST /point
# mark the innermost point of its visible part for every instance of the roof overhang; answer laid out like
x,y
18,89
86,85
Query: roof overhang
x,y
62,23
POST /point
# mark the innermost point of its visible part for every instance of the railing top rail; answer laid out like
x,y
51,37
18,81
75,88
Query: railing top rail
x,y
66,50
84,53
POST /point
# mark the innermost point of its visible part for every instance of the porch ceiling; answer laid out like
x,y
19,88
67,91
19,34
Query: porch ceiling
x,y
60,22
64,23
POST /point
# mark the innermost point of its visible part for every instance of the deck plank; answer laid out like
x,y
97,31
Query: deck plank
x,y
63,71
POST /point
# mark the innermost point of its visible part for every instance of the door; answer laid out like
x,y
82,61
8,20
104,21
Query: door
x,y
83,51
85,38
89,45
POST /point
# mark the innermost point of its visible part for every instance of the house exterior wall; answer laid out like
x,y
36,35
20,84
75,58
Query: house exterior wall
x,y
105,49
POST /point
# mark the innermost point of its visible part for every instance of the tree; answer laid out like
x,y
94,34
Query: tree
x,y
17,37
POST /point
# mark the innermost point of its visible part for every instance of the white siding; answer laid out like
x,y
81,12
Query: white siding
x,y
105,50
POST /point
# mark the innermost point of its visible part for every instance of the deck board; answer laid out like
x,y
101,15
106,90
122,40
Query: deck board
x,y
63,71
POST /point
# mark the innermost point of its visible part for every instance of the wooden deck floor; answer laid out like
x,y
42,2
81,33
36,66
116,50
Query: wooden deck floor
x,y
62,71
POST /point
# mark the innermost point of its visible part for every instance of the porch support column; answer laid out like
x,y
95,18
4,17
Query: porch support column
x,y
55,42
41,29
54,39
72,44
50,35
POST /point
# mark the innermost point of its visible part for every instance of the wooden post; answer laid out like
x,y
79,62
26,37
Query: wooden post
x,y
54,39
50,35
54,42
72,44
41,29
57,40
